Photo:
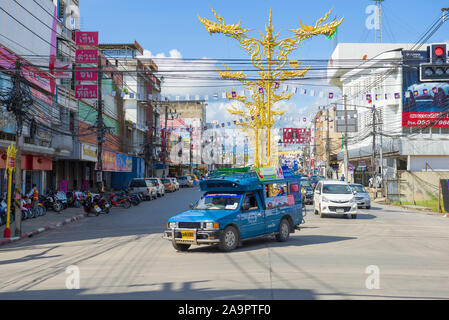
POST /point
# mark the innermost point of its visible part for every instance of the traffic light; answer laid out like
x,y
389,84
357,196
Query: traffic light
x,y
438,68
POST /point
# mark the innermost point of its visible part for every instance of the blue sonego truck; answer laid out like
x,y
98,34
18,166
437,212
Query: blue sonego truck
x,y
239,206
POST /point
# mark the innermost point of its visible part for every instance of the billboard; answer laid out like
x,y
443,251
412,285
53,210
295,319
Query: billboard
x,y
424,103
296,135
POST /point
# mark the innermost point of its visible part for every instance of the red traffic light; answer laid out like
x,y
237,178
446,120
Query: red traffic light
x,y
439,51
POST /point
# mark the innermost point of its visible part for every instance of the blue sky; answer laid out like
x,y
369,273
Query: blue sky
x,y
171,28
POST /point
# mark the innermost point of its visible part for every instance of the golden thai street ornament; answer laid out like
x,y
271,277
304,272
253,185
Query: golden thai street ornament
x,y
271,74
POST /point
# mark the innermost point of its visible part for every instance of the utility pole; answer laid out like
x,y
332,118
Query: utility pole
x,y
100,130
327,144
165,140
373,159
345,142
191,148
18,111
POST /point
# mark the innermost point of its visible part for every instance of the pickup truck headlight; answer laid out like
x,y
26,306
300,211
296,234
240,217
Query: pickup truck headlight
x,y
172,225
211,225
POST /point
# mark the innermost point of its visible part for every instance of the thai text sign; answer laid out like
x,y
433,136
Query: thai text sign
x,y
84,38
86,74
86,91
86,56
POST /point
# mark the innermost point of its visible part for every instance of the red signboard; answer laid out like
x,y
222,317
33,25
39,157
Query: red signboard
x,y
32,74
86,74
87,91
296,135
11,163
84,38
425,119
86,56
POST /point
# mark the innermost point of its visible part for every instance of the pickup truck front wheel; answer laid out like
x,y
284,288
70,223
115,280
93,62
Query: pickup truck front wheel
x,y
229,239
180,246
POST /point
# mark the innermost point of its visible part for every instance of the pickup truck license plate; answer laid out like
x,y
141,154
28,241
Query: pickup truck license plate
x,y
188,235
340,210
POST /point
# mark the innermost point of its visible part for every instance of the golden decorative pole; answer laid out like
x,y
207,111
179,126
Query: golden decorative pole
x,y
272,73
10,165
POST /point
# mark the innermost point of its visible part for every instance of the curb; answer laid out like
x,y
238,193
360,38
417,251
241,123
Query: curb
x,y
43,229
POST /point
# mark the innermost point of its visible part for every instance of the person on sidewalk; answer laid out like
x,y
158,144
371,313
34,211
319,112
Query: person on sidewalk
x,y
34,196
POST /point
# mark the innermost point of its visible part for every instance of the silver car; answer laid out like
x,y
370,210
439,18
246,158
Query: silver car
x,y
140,185
362,197
159,186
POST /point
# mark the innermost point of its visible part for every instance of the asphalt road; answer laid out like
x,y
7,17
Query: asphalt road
x,y
387,253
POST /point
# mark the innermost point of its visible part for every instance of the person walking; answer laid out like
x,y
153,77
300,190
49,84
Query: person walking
x,y
342,177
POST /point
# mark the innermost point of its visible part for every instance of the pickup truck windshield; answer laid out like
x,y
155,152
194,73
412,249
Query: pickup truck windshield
x,y
218,201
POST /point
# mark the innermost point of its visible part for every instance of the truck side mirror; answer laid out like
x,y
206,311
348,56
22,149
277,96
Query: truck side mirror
x,y
191,205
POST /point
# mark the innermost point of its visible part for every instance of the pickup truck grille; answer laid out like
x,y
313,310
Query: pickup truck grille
x,y
193,225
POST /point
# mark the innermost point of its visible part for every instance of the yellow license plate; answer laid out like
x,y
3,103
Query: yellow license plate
x,y
188,234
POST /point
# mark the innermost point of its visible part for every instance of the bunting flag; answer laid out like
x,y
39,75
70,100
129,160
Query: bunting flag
x,y
215,96
321,94
434,90
415,93
122,94
234,94
331,95
425,92
131,95
397,96
113,93
223,95
276,85
187,97
260,90
407,94
312,93
303,91
296,90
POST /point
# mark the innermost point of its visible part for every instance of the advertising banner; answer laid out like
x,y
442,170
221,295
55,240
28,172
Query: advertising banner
x,y
424,103
32,74
296,135
269,173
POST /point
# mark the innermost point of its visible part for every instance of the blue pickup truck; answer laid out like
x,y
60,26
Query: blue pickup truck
x,y
239,206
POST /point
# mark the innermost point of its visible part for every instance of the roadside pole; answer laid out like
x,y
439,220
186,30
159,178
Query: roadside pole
x,y
19,143
345,143
100,130
373,156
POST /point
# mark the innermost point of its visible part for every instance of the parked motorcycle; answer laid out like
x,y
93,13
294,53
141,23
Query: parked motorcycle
x,y
51,202
120,200
26,206
62,199
75,198
134,198
94,203
3,209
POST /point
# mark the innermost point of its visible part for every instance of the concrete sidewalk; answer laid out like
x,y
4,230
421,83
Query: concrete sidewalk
x,y
410,207
40,224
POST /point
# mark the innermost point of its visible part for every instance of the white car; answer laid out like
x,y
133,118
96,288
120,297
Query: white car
x,y
334,197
